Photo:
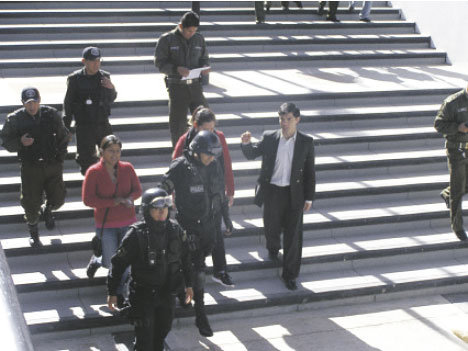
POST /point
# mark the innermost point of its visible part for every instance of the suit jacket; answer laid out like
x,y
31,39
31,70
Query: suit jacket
x,y
302,180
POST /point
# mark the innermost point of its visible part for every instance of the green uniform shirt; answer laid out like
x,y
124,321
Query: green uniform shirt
x,y
454,110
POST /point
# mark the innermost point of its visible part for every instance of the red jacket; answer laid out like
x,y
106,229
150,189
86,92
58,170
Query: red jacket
x,y
98,192
228,175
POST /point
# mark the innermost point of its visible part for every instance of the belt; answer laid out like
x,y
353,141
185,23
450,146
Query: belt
x,y
452,145
183,82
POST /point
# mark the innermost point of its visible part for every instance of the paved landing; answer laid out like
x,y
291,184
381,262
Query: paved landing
x,y
248,83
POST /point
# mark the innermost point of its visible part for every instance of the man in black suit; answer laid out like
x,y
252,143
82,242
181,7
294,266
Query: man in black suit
x,y
286,187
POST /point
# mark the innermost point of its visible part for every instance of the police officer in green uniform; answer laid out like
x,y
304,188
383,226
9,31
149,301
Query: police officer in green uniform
x,y
452,122
177,52
89,95
38,135
156,249
198,181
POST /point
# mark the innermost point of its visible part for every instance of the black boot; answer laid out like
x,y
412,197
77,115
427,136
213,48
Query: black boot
x,y
201,320
48,217
34,233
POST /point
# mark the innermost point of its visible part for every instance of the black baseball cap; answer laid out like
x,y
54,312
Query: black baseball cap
x,y
91,53
29,94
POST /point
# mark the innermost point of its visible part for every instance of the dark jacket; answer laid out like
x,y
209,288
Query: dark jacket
x,y
47,129
173,50
172,269
82,88
302,181
454,110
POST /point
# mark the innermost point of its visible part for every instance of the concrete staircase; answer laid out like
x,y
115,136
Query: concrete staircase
x,y
368,93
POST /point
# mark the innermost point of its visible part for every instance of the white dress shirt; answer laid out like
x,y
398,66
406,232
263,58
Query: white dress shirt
x,y
284,156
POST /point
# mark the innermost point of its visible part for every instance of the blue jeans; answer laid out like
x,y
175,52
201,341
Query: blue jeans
x,y
111,239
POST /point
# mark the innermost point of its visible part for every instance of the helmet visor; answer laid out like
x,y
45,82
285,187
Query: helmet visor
x,y
161,201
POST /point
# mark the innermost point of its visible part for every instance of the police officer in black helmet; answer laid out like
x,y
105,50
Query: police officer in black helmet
x,y
156,249
198,181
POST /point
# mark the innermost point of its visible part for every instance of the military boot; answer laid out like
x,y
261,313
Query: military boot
x,y
49,219
34,240
201,320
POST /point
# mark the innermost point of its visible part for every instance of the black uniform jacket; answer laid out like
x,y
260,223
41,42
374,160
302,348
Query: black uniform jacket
x,y
47,129
171,267
174,50
86,100
302,181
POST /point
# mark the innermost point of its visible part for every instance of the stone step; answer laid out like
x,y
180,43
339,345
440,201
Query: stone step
x,y
73,233
66,270
13,32
83,307
217,44
120,15
234,61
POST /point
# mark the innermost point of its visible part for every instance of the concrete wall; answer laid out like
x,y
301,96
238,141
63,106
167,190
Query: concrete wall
x,y
444,21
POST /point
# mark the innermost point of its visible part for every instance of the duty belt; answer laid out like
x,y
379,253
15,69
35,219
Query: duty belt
x,y
452,145
183,82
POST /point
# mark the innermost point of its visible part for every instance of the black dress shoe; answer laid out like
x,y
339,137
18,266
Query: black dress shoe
x,y
203,326
333,19
290,284
461,234
273,255
367,20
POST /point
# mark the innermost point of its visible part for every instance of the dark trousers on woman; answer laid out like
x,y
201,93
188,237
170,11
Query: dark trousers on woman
x,y
279,215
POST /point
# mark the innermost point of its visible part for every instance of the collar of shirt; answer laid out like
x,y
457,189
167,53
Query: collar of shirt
x,y
291,138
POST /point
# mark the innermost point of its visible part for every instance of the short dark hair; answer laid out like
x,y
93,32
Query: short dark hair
x,y
110,140
289,107
202,115
190,19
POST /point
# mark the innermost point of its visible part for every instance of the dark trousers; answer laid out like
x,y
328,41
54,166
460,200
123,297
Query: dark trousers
x,y
37,179
458,168
259,11
332,6
219,253
153,323
182,98
89,136
280,216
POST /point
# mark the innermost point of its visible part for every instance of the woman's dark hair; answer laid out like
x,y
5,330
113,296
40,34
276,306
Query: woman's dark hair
x,y
202,115
110,140
190,19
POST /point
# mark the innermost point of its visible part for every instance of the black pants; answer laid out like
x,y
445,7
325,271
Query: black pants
x,y
37,179
332,6
182,98
89,136
280,216
219,252
458,167
154,322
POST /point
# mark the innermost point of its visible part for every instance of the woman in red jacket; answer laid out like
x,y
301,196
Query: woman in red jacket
x,y
204,119
110,187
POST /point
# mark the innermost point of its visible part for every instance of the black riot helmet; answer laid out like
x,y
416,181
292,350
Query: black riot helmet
x,y
154,198
206,142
